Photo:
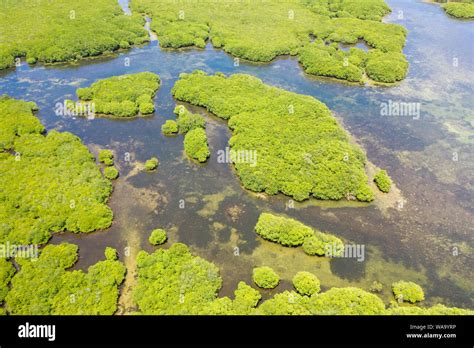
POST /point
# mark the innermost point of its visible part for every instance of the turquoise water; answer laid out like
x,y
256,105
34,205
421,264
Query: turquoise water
x,y
415,242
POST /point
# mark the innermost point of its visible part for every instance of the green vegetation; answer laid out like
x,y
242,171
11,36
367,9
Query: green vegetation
x,y
110,254
265,277
175,282
407,292
346,301
376,287
48,183
57,31
438,309
323,244
121,96
43,286
195,144
285,231
272,28
246,298
7,270
383,181
306,283
106,157
188,121
111,173
152,163
290,232
463,10
158,237
301,148
169,127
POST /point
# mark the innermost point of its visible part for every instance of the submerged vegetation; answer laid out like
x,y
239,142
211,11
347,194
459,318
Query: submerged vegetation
x,y
58,31
49,183
302,150
273,28
121,96
43,286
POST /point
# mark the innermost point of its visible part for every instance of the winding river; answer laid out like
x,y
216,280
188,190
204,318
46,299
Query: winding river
x,y
427,238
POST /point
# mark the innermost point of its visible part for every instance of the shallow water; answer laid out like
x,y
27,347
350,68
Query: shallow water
x,y
429,158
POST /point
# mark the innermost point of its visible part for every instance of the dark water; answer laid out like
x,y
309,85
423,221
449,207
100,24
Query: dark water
x,y
428,240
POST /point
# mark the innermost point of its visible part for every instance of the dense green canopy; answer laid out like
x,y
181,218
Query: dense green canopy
x,y
262,30
407,291
265,277
463,9
43,286
47,183
195,144
290,232
121,96
174,281
63,30
301,149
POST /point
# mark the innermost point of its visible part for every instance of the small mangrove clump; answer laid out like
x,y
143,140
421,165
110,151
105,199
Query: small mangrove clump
x,y
265,277
158,237
407,292
383,181
152,164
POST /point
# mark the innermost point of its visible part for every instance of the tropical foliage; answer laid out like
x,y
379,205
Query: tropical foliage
x,y
306,283
44,286
121,96
460,9
290,232
195,144
175,282
407,292
301,148
272,28
61,30
383,181
158,237
265,277
169,127
111,173
7,270
188,121
282,230
47,183
152,163
106,157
